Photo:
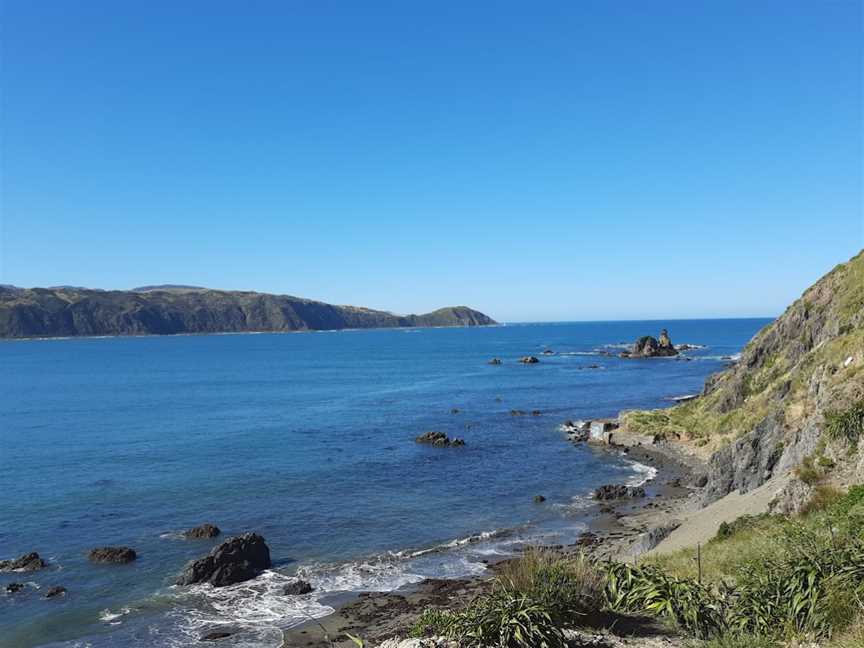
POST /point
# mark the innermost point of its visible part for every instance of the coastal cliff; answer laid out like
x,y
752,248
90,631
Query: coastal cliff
x,y
166,310
791,406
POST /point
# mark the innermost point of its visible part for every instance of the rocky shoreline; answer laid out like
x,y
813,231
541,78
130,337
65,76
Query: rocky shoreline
x,y
620,528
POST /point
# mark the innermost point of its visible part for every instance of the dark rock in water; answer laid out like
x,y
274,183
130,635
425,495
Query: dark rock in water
x,y
536,413
548,352
438,440
27,562
112,555
495,361
529,360
618,491
216,635
297,588
57,590
650,347
203,531
11,588
539,499
236,560
455,410
516,412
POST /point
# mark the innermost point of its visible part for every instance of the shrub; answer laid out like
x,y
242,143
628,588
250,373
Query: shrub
x,y
847,424
565,587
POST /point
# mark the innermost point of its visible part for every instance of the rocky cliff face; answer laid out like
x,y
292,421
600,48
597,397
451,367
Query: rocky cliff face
x,y
766,415
58,312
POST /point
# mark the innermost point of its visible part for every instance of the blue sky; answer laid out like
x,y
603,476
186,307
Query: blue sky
x,y
538,161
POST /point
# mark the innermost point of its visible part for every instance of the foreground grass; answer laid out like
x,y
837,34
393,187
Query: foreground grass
x,y
767,581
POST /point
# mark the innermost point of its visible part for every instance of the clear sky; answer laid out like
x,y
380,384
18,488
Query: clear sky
x,y
538,161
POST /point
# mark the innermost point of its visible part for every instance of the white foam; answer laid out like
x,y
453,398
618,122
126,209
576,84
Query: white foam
x,y
643,475
256,611
110,617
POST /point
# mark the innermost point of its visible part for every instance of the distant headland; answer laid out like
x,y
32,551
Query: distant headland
x,y
65,311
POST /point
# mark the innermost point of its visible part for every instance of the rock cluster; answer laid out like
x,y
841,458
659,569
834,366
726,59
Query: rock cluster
x,y
439,440
618,491
495,361
112,555
650,347
27,562
529,360
236,560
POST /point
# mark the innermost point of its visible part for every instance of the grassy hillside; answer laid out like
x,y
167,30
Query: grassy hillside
x,y
795,368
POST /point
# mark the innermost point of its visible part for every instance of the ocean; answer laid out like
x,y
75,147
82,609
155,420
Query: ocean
x,y
307,439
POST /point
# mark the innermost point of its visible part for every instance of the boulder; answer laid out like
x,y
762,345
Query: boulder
x,y
203,531
112,555
438,440
236,560
515,412
618,491
55,591
27,562
11,588
495,361
297,588
539,499
529,360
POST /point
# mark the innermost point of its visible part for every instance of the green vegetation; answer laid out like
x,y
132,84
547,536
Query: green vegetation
x,y
767,577
766,580
847,424
808,345
533,598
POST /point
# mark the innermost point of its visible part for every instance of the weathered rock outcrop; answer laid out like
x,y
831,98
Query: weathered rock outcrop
x,y
236,560
27,562
112,555
439,440
52,312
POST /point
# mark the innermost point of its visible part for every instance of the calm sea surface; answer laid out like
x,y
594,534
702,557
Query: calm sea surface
x,y
308,440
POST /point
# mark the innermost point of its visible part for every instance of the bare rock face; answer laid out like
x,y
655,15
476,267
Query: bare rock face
x,y
27,562
201,532
236,560
112,555
439,440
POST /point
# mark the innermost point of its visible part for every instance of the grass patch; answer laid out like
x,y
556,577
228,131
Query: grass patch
x,y
846,424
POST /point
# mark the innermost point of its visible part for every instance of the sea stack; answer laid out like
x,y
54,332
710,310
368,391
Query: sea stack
x,y
651,347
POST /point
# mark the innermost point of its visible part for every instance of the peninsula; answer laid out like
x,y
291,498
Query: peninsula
x,y
169,310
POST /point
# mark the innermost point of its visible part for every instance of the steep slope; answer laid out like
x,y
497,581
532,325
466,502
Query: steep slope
x,y
53,312
768,414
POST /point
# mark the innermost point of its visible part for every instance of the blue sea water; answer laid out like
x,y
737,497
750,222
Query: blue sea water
x,y
308,440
